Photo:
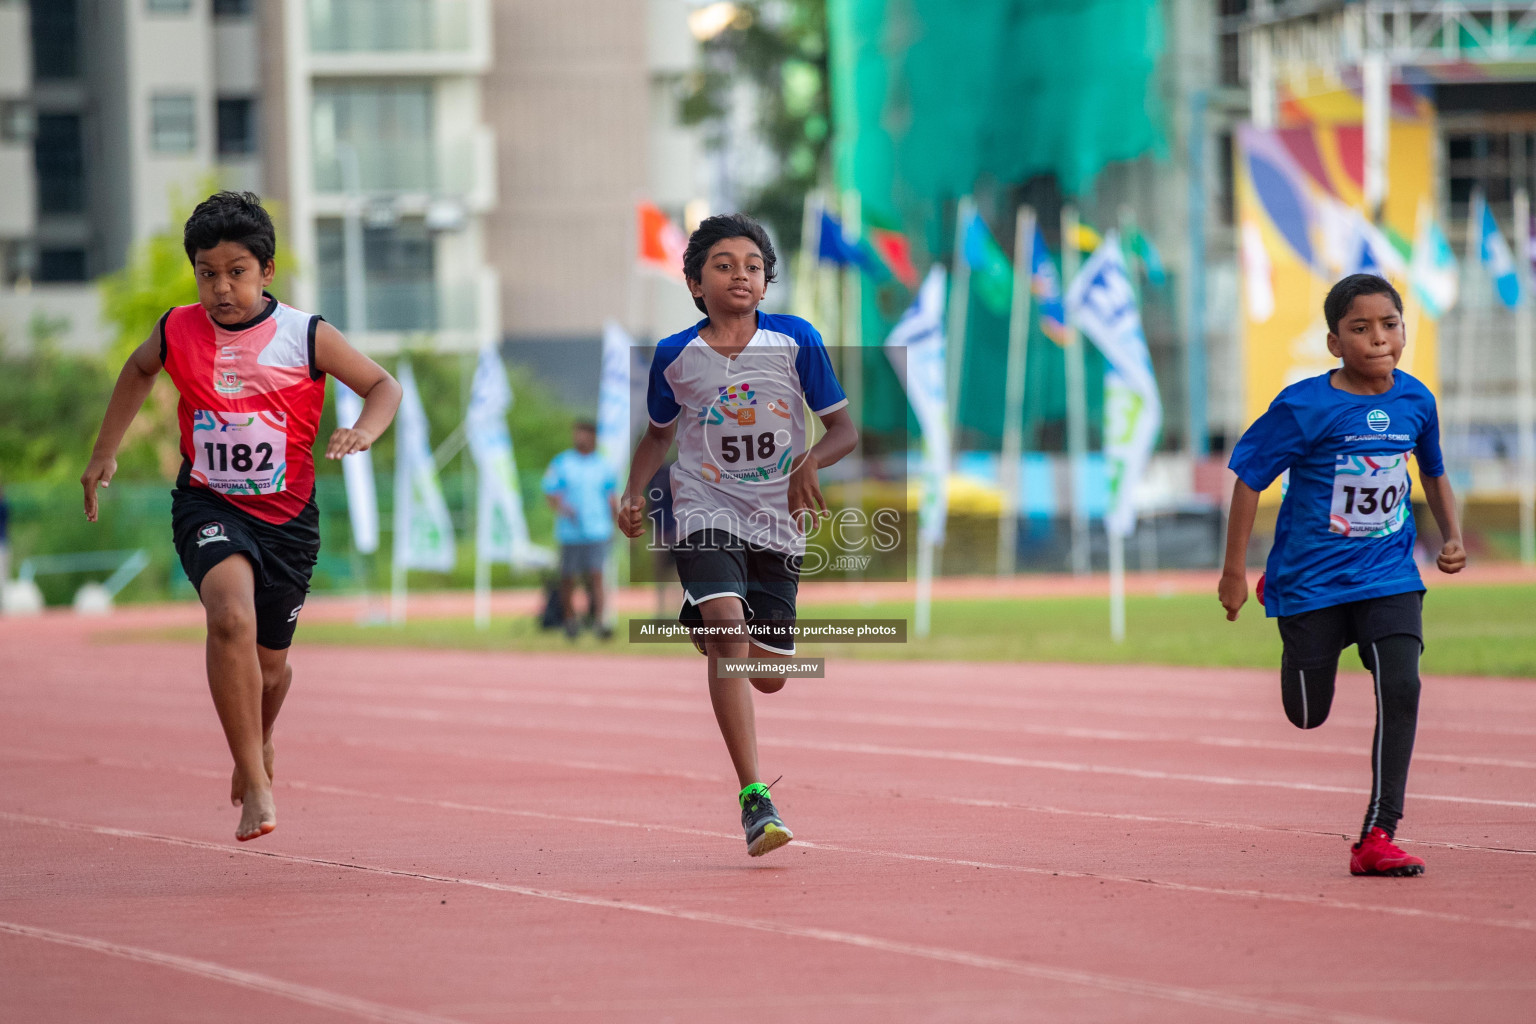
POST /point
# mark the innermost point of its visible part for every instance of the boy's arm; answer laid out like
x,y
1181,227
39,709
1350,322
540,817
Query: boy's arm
x,y
133,386
804,487
379,391
1233,590
649,455
1442,505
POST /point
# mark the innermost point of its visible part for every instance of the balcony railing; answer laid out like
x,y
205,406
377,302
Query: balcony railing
x,y
395,166
409,307
391,26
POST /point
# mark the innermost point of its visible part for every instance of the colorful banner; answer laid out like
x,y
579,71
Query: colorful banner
x,y
1102,304
1493,252
920,333
357,471
1302,226
613,391
423,529
501,527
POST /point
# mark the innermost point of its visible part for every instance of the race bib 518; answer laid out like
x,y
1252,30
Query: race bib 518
x,y
240,452
1370,495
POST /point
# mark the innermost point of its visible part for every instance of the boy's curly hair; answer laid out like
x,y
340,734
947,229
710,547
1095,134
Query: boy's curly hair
x,y
716,229
231,217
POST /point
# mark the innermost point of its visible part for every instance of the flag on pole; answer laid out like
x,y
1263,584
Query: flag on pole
x,y
661,242
1432,271
357,471
991,273
501,527
423,530
1086,238
1102,304
1045,283
613,391
1151,260
834,246
916,350
1494,252
896,252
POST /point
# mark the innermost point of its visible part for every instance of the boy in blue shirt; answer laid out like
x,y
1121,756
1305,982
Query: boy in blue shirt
x,y
732,389
579,486
1341,569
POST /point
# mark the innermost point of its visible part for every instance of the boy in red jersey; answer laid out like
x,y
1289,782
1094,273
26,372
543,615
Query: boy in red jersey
x,y
251,374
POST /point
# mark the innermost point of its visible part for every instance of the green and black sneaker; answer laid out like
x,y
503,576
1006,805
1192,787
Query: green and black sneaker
x,y
765,830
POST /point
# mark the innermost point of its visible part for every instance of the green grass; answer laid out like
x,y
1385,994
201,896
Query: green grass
x,y
1470,631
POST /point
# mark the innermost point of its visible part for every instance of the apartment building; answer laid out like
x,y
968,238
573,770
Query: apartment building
x,y
390,169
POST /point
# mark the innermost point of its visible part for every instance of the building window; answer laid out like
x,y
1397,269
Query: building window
x,y
387,126
400,293
59,156
55,39
237,126
169,6
172,124
231,8
60,265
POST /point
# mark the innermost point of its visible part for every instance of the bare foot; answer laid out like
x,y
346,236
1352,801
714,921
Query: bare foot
x,y
237,782
258,815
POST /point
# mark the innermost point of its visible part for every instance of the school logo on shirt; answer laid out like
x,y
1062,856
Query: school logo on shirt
x,y
211,533
228,382
1378,420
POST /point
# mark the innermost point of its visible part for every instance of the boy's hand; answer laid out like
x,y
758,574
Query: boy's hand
x,y
1233,592
346,441
806,505
100,471
1453,557
630,515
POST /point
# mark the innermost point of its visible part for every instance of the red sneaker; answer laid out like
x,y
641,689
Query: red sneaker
x,y
1376,854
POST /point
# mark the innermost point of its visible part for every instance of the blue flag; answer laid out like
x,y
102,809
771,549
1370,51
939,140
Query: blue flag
x,y
1046,285
833,246
1495,254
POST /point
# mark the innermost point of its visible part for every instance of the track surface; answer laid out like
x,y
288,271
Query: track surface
x,y
480,837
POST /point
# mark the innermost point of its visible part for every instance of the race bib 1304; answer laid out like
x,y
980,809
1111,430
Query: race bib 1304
x,y
1370,495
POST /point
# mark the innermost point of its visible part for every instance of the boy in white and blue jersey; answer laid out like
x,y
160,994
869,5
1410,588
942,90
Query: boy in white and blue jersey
x,y
1341,570
732,389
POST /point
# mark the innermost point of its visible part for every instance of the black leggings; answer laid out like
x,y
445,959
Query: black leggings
x,y
1394,664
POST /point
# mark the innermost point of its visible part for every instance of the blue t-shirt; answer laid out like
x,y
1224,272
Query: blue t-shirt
x,y
1345,531
584,483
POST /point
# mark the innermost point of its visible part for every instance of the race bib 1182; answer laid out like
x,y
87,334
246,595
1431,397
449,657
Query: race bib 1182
x,y
240,452
1370,495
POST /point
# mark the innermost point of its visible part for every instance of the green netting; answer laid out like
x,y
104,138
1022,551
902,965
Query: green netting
x,y
932,98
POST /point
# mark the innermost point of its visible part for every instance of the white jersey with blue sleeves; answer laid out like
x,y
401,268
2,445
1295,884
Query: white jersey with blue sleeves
x,y
741,425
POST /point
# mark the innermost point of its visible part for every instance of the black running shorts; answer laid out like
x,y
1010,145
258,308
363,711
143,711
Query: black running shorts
x,y
715,563
207,529
1315,639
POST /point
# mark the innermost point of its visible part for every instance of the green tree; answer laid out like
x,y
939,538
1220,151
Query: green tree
x,y
780,46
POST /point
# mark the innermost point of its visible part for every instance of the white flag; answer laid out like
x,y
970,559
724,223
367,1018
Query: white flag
x,y
1102,304
357,471
501,528
423,530
613,399
920,332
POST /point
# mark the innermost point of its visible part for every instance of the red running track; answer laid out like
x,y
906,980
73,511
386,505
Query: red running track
x,y
477,837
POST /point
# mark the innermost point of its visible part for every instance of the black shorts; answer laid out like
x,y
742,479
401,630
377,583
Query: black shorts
x,y
1314,639
207,529
715,563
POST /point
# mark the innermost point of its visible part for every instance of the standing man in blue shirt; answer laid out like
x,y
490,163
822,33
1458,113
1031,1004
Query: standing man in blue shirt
x,y
1341,569
579,485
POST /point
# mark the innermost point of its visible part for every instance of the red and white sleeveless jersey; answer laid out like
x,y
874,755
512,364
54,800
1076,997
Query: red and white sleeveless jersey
x,y
250,406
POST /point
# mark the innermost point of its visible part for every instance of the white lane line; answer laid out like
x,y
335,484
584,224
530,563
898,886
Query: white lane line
x,y
1022,968
455,805
263,983
635,771
769,712
879,750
